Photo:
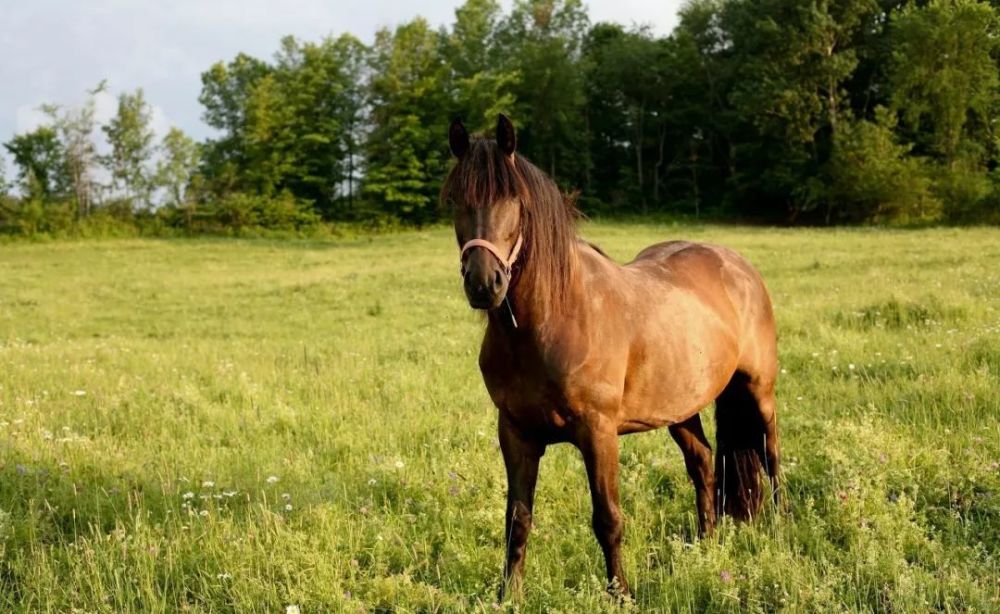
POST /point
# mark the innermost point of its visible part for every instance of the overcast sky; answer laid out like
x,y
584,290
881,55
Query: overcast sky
x,y
53,50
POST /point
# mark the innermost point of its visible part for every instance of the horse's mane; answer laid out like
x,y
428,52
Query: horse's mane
x,y
485,176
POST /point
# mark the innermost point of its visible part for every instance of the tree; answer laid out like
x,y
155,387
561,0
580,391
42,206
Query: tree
x,y
131,139
541,40
944,77
625,77
4,185
225,94
177,165
482,87
874,178
75,127
320,86
294,125
792,60
41,163
406,151
354,58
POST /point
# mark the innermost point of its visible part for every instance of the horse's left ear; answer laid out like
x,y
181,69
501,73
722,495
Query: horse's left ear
x,y
506,138
458,138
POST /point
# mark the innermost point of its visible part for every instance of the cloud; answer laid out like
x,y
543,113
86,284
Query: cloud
x,y
28,117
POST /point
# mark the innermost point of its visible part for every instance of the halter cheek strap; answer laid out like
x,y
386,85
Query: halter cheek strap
x,y
506,262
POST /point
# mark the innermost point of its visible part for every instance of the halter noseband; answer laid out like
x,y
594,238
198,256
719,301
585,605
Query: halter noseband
x,y
506,262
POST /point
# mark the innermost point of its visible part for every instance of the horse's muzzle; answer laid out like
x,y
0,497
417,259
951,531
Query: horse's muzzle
x,y
484,281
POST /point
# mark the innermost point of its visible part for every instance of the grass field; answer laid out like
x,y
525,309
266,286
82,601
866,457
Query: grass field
x,y
248,425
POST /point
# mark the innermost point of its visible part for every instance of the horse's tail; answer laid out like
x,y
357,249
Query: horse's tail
x,y
740,433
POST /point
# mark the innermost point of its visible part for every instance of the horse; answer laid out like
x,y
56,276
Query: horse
x,y
580,349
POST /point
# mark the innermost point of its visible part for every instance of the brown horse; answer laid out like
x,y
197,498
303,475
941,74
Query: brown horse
x,y
581,349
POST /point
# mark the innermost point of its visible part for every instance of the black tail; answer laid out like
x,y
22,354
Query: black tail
x,y
739,451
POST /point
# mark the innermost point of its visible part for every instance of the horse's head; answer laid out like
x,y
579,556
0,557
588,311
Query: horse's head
x,y
483,191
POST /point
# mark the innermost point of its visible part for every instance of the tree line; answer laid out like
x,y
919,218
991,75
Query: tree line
x,y
786,111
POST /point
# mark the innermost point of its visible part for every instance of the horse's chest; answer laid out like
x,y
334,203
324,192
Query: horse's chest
x,y
531,398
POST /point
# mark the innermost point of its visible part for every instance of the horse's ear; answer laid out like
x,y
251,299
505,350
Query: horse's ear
x,y
506,138
458,138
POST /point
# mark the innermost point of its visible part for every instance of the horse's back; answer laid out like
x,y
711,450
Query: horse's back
x,y
727,284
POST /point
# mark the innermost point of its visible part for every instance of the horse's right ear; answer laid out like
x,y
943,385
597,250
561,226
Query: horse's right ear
x,y
458,138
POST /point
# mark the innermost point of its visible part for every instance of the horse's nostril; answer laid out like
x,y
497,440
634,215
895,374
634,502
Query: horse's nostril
x,y
497,280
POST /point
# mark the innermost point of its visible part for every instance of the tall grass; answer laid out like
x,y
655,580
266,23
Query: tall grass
x,y
226,425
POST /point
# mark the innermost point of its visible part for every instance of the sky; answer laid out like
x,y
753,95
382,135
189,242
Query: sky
x,y
53,51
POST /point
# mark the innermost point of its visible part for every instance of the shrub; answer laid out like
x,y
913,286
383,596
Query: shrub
x,y
239,210
873,178
964,188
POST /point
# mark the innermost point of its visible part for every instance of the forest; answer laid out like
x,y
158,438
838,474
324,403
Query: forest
x,y
806,112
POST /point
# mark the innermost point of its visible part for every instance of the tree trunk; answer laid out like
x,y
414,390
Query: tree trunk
x,y
350,179
831,94
350,165
638,157
662,134
587,177
694,181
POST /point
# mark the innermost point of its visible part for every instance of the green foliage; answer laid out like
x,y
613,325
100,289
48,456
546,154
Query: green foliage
x,y
131,139
176,168
407,152
75,127
965,187
541,41
283,212
481,86
873,178
944,75
294,125
769,110
41,163
244,425
31,217
792,60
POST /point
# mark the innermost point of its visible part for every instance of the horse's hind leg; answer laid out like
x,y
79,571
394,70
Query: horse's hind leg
x,y
698,459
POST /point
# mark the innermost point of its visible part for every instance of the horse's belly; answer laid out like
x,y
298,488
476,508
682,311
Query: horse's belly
x,y
678,367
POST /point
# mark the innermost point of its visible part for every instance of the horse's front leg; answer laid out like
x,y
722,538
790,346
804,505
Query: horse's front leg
x,y
520,455
600,454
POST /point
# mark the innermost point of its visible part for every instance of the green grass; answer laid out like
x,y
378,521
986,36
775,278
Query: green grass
x,y
246,425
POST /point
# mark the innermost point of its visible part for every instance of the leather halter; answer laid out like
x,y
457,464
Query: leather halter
x,y
506,262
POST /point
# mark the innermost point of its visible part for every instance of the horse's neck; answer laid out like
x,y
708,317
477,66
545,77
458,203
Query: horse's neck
x,y
534,310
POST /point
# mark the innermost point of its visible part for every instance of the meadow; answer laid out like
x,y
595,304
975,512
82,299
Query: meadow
x,y
248,425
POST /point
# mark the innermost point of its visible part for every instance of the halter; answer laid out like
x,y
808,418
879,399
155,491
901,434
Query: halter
x,y
507,263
